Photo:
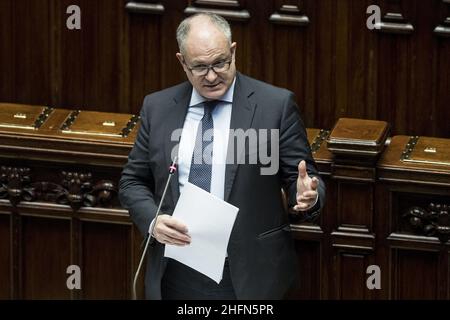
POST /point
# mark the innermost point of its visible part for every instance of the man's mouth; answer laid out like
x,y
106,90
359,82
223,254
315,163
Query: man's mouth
x,y
211,86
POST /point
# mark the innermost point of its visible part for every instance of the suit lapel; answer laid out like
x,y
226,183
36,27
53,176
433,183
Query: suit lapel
x,y
175,119
241,118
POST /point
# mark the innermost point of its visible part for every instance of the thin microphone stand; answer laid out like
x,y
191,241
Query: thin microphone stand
x,y
149,238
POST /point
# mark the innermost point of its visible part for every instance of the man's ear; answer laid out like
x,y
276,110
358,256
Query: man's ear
x,y
181,60
233,48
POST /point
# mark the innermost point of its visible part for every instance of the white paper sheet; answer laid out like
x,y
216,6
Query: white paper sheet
x,y
209,221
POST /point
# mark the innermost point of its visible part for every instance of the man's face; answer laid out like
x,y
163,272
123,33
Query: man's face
x,y
207,46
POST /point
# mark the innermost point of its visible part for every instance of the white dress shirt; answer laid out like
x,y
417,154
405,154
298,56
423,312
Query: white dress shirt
x,y
221,116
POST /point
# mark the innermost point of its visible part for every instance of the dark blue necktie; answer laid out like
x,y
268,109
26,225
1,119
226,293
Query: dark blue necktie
x,y
201,162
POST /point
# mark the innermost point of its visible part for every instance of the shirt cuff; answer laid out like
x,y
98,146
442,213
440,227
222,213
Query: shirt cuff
x,y
150,228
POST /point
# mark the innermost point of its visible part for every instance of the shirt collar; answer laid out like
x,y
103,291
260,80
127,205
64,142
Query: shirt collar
x,y
196,98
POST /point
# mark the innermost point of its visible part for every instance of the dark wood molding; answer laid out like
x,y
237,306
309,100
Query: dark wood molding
x,y
145,8
289,15
76,189
394,23
235,15
217,3
443,30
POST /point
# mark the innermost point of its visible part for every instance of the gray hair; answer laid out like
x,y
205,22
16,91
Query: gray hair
x,y
185,26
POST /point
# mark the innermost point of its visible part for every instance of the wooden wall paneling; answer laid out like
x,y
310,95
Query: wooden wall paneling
x,y
339,68
124,47
357,212
92,77
240,33
447,262
308,101
171,71
5,254
404,251
58,17
416,275
76,252
382,228
350,274
342,49
256,53
106,270
16,247
144,61
321,64
136,252
355,62
406,99
105,64
393,74
45,256
31,51
310,262
7,56
290,42
70,55
311,245
423,64
441,88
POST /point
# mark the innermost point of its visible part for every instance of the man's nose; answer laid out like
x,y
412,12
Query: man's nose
x,y
211,76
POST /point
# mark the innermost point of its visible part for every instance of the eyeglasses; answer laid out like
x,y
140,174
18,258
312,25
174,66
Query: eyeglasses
x,y
202,70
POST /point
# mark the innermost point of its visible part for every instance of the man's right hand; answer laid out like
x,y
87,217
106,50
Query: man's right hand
x,y
169,230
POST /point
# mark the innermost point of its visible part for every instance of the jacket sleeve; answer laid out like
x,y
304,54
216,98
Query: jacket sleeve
x,y
294,147
136,186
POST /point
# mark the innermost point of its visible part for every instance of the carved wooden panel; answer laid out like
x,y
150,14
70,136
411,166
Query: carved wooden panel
x,y
424,215
76,188
433,220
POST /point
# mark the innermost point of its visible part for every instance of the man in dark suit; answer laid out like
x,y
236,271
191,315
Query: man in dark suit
x,y
261,260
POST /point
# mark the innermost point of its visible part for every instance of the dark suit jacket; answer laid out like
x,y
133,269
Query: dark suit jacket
x,y
261,252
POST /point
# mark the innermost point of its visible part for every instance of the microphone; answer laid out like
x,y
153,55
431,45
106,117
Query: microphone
x,y
149,239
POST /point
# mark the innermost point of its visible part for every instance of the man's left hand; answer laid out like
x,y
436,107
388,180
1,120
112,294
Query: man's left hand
x,y
306,189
